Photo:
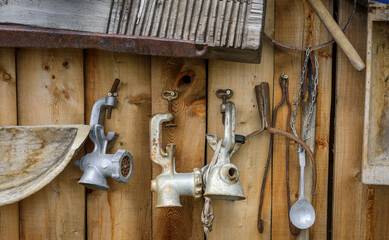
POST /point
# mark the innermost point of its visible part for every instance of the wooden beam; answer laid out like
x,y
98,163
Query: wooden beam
x,y
51,91
9,215
123,212
188,77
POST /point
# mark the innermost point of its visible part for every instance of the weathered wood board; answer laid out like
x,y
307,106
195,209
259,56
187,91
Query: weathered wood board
x,y
375,160
50,90
9,215
33,156
124,212
73,15
231,28
353,202
58,212
238,219
308,30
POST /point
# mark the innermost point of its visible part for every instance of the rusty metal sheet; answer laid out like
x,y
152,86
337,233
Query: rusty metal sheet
x,y
20,36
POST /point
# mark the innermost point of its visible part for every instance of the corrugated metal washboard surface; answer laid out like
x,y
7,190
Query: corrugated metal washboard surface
x,y
231,28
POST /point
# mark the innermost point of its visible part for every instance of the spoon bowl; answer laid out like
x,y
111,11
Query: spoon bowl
x,y
302,214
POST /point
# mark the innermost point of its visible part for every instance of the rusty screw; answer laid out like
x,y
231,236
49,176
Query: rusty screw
x,y
111,93
224,94
170,95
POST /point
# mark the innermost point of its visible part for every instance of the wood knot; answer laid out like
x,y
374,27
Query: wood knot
x,y
185,79
6,77
136,100
66,94
199,107
325,54
243,123
358,176
65,64
321,143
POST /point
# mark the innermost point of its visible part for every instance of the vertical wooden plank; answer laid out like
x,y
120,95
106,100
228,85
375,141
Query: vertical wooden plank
x,y
353,202
288,14
308,30
379,218
370,217
238,219
9,214
321,141
124,212
315,34
188,77
51,91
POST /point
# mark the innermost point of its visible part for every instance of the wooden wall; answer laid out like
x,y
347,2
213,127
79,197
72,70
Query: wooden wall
x,y
59,86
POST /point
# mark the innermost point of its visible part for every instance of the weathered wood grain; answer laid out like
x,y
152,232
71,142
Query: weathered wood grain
x,y
51,91
8,106
232,28
9,215
322,140
363,205
238,219
171,18
72,15
288,14
188,77
33,156
353,202
124,212
375,151
315,33
308,30
375,100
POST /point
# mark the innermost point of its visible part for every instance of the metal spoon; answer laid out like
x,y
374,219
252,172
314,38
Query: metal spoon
x,y
302,213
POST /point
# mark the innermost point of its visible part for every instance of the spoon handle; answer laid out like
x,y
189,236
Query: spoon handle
x,y
302,166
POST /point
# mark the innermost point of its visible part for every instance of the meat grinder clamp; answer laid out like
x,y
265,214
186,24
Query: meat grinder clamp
x,y
98,165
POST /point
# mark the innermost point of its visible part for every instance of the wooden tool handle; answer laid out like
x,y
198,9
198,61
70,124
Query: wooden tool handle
x,y
263,100
266,102
337,34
